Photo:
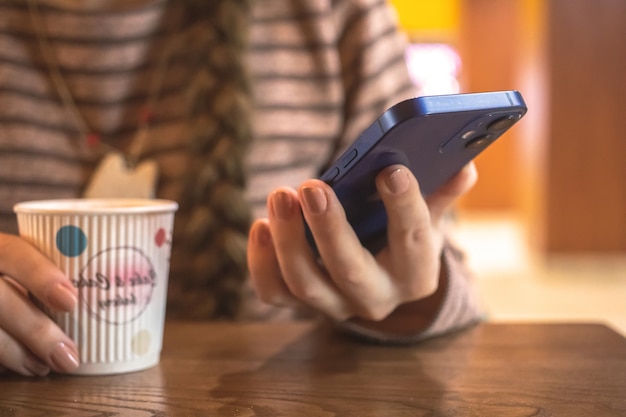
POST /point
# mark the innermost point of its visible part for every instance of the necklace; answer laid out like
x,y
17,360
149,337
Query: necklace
x,y
118,174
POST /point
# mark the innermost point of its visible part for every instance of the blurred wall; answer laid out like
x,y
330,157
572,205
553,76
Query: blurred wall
x,y
490,43
585,180
563,167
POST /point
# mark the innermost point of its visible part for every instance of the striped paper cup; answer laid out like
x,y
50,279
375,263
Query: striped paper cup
x,y
116,252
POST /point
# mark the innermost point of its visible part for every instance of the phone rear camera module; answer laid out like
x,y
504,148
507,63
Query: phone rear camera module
x,y
479,143
503,123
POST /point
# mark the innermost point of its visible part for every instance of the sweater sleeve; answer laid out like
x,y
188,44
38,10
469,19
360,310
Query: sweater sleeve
x,y
460,305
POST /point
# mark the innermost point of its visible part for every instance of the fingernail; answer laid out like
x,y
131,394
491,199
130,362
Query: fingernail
x,y
282,204
398,181
315,200
61,298
64,358
36,367
262,235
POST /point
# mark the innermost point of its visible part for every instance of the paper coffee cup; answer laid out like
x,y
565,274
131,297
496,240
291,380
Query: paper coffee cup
x,y
116,253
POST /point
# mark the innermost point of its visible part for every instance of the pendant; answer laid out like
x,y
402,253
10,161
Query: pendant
x,y
113,178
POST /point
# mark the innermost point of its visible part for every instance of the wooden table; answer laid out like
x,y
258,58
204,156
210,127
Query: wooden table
x,y
306,369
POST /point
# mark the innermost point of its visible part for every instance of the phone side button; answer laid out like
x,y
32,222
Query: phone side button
x,y
345,161
330,174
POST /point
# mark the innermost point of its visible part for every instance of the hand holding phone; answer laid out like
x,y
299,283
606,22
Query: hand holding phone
x,y
434,136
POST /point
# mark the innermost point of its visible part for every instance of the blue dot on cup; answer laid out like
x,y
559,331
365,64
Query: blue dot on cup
x,y
71,241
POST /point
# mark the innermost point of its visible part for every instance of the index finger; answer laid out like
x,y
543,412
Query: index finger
x,y
350,266
36,273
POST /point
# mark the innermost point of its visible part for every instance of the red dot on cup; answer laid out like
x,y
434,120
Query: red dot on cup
x,y
159,238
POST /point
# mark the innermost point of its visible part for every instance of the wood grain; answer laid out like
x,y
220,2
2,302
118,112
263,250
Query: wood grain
x,y
306,369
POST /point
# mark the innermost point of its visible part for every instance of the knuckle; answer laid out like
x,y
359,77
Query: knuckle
x,y
6,347
413,233
352,272
350,277
6,243
4,291
340,316
421,289
272,298
8,293
377,313
42,327
264,296
307,293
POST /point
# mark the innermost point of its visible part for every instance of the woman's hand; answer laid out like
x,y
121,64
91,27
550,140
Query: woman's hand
x,y
349,282
30,343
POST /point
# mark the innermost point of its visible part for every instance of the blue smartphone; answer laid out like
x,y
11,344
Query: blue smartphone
x,y
434,136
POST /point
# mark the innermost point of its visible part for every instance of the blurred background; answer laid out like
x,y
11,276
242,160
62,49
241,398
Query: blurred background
x,y
545,227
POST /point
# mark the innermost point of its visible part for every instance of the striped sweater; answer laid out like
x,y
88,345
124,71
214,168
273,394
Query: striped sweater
x,y
322,70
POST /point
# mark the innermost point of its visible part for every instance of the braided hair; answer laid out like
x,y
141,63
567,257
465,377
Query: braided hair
x,y
210,237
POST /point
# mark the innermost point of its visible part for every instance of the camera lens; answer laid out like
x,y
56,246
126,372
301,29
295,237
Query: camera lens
x,y
502,123
467,135
479,143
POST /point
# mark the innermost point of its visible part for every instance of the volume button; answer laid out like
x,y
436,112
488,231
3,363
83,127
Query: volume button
x,y
345,161
330,175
